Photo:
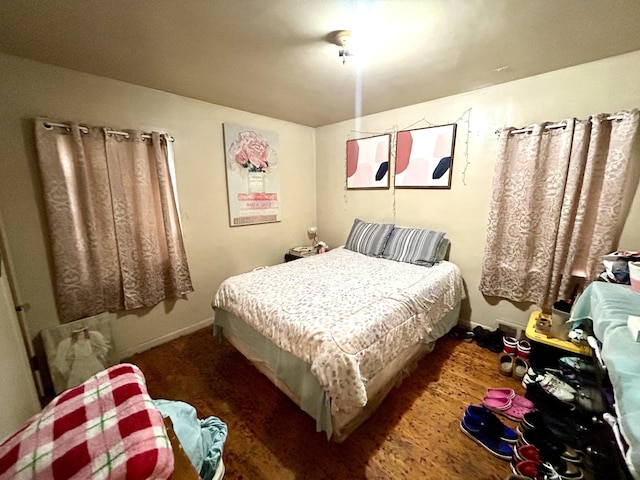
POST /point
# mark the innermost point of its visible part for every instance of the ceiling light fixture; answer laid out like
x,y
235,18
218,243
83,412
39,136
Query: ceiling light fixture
x,y
342,39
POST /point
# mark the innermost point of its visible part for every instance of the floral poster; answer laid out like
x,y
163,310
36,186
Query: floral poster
x,y
253,180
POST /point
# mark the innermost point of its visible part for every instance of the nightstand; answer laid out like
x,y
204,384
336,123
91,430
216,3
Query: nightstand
x,y
299,252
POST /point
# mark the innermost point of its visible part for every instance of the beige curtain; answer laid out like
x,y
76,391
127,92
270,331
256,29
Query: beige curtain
x,y
560,199
115,236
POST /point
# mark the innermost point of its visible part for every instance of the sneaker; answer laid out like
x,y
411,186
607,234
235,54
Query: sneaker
x,y
543,400
491,340
526,468
527,452
547,472
560,471
482,415
551,448
568,430
577,364
524,349
510,345
486,437
548,380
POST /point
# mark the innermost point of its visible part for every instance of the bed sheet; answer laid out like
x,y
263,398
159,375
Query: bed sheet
x,y
608,306
344,313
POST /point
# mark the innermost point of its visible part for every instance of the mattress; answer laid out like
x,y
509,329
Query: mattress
x,y
294,378
344,314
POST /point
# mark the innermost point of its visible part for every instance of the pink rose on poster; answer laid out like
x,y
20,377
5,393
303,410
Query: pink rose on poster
x,y
252,151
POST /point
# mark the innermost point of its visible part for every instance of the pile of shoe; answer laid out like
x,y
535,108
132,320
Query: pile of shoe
x,y
558,428
540,453
491,340
571,387
461,333
481,424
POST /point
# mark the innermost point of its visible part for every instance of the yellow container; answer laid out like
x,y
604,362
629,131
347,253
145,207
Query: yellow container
x,y
531,334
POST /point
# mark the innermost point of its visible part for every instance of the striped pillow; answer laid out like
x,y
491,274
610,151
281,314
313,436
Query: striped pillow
x,y
413,245
368,238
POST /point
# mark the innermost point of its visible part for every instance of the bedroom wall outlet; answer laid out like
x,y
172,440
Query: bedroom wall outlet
x,y
510,329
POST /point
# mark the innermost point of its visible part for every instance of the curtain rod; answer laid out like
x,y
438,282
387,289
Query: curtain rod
x,y
84,129
555,125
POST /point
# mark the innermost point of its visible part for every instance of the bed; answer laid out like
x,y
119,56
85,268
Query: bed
x,y
336,331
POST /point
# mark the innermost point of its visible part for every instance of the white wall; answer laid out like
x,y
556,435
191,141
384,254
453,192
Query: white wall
x,y
604,86
18,395
214,250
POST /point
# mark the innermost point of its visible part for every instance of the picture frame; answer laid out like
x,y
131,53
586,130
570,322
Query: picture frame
x,y
424,157
78,350
253,176
368,162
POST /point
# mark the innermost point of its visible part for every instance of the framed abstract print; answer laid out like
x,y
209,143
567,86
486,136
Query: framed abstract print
x,y
424,157
368,162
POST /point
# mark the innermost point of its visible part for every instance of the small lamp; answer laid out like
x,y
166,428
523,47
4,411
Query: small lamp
x,y
312,233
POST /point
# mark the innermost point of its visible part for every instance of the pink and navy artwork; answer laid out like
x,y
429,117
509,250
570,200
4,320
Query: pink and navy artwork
x,y
368,162
424,157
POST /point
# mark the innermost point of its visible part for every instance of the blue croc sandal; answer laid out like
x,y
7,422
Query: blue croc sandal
x,y
487,438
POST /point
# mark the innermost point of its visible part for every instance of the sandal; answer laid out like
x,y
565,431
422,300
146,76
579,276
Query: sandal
x,y
506,407
520,367
511,395
500,392
505,364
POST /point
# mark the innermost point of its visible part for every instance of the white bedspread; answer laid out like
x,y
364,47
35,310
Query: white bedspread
x,y
344,313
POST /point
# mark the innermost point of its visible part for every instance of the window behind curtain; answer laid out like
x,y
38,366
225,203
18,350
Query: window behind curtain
x,y
560,199
113,223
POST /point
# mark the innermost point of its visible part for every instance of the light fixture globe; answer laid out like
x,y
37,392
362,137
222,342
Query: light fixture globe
x,y
341,37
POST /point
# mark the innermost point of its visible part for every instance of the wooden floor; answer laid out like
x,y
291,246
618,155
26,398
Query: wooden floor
x,y
414,434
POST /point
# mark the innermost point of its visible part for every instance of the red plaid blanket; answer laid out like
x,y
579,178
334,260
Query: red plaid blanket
x,y
105,428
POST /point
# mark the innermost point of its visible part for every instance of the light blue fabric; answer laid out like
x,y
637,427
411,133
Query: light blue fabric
x,y
214,434
608,306
202,440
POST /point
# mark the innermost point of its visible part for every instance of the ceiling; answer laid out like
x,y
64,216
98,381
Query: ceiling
x,y
273,57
